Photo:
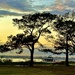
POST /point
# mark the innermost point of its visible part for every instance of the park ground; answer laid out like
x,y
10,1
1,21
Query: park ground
x,y
37,70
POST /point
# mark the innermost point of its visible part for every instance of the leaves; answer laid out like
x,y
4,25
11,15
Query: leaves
x,y
4,48
66,28
33,27
50,50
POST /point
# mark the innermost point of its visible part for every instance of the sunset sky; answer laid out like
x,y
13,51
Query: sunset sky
x,y
10,9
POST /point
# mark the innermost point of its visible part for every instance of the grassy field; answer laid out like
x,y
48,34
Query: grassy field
x,y
37,70
40,68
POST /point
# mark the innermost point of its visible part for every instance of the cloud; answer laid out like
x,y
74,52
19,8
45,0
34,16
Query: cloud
x,y
63,6
58,7
60,12
70,3
14,7
4,12
23,5
19,7
12,13
4,6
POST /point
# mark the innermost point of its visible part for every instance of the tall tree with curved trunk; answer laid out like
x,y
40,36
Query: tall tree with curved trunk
x,y
33,26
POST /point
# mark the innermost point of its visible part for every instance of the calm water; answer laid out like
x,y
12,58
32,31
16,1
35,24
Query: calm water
x,y
38,56
37,59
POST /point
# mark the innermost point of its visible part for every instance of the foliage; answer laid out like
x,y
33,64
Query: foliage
x,y
5,60
65,26
66,29
51,50
4,48
65,42
33,26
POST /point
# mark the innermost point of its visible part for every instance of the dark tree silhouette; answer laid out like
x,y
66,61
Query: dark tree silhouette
x,y
4,48
46,50
33,26
66,28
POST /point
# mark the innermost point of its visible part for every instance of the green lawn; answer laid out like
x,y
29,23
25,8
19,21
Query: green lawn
x,y
13,70
37,70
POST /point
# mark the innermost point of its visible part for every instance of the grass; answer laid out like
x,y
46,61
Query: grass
x,y
13,70
37,70
59,70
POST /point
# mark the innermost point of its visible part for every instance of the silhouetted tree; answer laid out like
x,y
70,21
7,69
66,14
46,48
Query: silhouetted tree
x,y
46,50
33,26
4,48
66,28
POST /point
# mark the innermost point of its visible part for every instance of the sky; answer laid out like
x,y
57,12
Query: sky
x,y
20,7
10,9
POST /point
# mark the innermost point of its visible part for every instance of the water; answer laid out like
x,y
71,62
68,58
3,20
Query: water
x,y
37,58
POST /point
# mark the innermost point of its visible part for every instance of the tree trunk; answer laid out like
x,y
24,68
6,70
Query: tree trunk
x,y
67,63
31,57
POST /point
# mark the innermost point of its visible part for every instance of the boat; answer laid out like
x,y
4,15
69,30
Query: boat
x,y
48,59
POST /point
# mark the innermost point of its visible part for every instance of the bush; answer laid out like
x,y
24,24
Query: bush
x,y
7,60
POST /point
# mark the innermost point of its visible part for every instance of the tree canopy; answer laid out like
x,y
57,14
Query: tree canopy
x,y
39,24
33,26
65,42
65,26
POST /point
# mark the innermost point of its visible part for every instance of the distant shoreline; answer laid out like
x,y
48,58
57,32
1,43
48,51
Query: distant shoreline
x,y
36,57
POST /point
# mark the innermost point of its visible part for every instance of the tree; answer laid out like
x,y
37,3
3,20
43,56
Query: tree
x,y
33,26
4,48
65,26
